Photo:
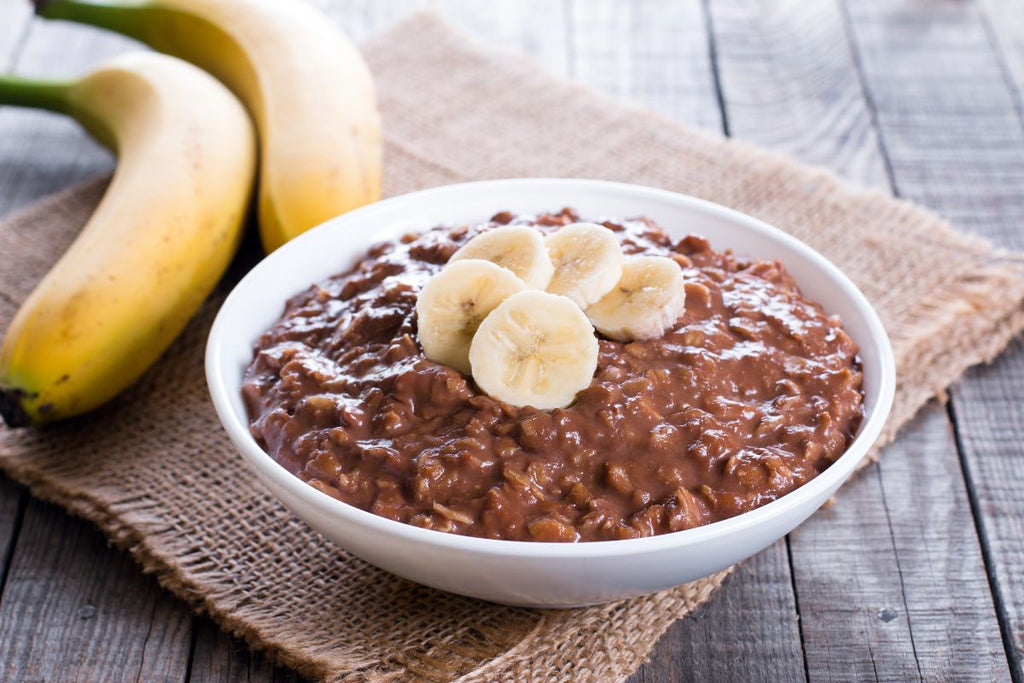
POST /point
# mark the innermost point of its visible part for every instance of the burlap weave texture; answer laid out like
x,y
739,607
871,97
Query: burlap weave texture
x,y
156,473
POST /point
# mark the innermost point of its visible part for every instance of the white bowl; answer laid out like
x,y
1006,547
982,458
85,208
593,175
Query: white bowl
x,y
521,572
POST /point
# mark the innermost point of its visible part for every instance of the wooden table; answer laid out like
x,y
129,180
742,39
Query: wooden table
x,y
916,573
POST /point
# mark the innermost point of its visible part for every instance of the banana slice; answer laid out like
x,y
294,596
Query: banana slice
x,y
647,301
535,349
588,262
516,247
452,304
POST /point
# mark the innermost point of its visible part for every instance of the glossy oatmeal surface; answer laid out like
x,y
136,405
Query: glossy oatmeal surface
x,y
754,392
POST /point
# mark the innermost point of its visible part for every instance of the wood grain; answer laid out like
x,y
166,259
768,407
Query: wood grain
x,y
537,28
910,599
748,631
14,20
13,499
847,574
790,82
651,52
952,129
74,609
1004,20
945,590
219,658
989,414
949,122
532,27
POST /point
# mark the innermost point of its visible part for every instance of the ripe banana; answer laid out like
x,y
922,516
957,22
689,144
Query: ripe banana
x,y
156,245
648,300
587,260
306,85
452,304
535,349
516,247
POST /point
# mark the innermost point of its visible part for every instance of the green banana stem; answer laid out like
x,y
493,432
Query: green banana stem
x,y
103,13
27,92
55,96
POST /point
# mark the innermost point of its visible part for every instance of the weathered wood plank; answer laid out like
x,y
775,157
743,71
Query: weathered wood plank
x,y
534,27
949,604
949,122
790,82
989,413
14,21
12,503
913,594
952,130
219,658
75,610
739,635
1005,22
853,612
652,52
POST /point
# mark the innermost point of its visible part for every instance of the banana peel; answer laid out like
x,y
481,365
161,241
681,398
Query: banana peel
x,y
156,245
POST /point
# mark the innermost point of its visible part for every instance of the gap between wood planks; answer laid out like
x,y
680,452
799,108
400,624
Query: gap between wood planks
x,y
12,516
954,136
769,84
1005,628
15,20
784,114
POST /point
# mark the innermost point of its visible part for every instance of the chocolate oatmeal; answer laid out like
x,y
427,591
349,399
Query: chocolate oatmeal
x,y
754,392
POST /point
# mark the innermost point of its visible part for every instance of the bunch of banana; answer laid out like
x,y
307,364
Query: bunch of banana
x,y
160,239
485,314
171,219
305,84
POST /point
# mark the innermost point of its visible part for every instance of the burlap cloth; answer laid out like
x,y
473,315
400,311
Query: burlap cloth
x,y
156,473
